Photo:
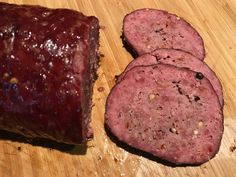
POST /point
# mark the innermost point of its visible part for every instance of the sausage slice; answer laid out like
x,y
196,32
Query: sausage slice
x,y
179,58
148,29
167,111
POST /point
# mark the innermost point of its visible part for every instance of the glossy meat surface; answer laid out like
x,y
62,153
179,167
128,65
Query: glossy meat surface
x,y
46,56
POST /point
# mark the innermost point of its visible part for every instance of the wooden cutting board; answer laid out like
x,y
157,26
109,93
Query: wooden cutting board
x,y
216,22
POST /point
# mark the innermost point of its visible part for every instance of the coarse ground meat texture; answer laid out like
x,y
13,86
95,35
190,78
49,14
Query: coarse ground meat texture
x,y
148,29
179,58
48,63
166,111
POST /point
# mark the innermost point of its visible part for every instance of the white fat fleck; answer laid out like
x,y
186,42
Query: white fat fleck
x,y
12,56
1,34
151,96
50,64
41,57
173,130
44,23
29,34
44,76
71,77
35,18
66,61
5,75
34,45
46,14
50,46
63,50
62,19
200,124
8,44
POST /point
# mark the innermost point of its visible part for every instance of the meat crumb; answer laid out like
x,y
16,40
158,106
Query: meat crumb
x,y
99,157
232,148
14,80
116,160
19,148
151,97
101,55
102,27
101,89
116,77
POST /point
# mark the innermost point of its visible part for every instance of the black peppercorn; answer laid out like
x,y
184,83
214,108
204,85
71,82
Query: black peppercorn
x,y
199,76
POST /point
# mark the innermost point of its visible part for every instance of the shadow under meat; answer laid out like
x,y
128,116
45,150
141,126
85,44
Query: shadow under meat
x,y
127,47
46,143
140,152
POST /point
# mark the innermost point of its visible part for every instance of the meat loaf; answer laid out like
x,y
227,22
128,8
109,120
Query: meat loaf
x,y
167,111
48,62
148,29
179,58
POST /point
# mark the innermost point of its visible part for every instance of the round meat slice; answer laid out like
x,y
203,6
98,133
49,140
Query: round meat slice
x,y
179,58
148,29
167,111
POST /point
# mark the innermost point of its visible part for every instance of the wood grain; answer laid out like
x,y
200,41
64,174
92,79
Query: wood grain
x,y
216,22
